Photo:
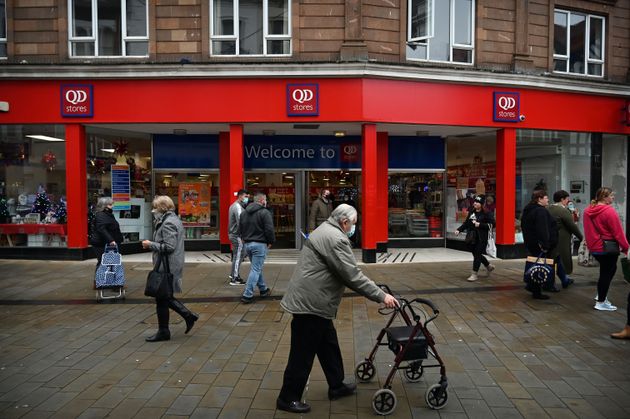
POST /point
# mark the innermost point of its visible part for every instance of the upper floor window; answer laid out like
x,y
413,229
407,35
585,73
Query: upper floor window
x,y
108,28
441,30
578,43
3,29
250,27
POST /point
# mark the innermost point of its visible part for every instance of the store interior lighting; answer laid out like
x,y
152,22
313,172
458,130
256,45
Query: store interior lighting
x,y
45,138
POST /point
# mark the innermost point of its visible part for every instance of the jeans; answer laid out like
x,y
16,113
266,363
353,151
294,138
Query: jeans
x,y
607,270
560,272
257,252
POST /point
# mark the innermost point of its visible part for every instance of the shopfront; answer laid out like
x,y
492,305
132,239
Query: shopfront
x,y
408,154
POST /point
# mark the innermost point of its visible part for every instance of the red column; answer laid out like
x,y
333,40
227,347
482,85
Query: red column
x,y
231,177
369,192
506,185
76,186
382,140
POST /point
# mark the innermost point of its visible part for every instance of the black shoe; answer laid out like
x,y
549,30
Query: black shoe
x,y
343,391
540,297
190,321
551,289
265,293
294,407
570,281
162,334
247,300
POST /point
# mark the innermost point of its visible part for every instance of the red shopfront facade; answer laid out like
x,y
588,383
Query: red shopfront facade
x,y
369,103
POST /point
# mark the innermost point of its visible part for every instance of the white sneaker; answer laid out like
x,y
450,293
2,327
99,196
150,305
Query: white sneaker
x,y
473,277
605,306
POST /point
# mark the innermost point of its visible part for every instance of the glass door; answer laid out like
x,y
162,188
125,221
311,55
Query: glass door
x,y
280,190
344,188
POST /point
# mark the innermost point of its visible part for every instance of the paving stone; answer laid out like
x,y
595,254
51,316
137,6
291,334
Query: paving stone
x,y
505,354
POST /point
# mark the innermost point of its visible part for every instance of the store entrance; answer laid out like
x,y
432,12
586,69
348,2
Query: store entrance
x,y
344,188
280,189
290,197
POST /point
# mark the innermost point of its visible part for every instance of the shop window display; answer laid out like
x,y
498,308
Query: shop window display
x,y
552,160
615,171
129,153
32,186
196,198
416,205
471,171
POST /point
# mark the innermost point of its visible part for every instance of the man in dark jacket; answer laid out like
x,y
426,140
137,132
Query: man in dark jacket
x,y
540,232
256,231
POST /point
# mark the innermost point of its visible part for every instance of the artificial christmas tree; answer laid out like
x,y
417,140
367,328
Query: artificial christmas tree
x,y
41,205
61,213
5,217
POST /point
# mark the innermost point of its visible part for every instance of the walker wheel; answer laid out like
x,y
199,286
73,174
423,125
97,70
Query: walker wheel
x,y
414,372
436,397
384,401
98,297
364,371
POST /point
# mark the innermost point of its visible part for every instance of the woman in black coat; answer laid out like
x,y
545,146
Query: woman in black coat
x,y
106,229
477,227
540,233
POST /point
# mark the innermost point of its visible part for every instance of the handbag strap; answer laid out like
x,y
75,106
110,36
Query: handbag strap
x,y
543,256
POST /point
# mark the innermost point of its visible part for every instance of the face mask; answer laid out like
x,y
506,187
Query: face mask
x,y
351,232
245,201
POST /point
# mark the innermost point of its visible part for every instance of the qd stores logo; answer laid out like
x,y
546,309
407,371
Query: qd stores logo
x,y
350,152
302,99
77,100
506,106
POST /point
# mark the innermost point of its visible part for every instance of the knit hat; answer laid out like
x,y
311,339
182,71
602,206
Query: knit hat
x,y
480,199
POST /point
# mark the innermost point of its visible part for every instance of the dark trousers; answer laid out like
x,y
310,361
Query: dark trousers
x,y
479,258
607,270
98,251
311,335
162,307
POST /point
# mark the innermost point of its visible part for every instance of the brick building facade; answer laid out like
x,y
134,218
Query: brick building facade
x,y
417,92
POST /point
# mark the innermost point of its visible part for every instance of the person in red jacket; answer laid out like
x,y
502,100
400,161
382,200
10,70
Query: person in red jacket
x,y
601,222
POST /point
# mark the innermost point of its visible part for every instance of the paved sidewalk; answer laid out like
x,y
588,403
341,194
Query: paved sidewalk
x,y
62,355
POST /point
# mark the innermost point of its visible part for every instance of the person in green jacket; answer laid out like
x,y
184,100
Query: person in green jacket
x,y
562,253
325,268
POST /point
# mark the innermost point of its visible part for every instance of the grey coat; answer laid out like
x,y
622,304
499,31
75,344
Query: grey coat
x,y
169,236
566,228
326,267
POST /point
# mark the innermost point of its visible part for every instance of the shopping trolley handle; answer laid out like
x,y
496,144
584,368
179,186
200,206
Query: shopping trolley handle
x,y
429,303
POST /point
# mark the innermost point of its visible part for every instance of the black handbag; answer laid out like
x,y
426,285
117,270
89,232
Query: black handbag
x,y
611,247
539,270
160,284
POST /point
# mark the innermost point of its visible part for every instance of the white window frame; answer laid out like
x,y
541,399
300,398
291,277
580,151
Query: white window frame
x,y
431,21
266,36
427,42
4,40
94,38
587,42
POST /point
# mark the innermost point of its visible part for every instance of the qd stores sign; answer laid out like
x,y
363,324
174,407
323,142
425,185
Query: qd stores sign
x,y
506,107
77,100
302,99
